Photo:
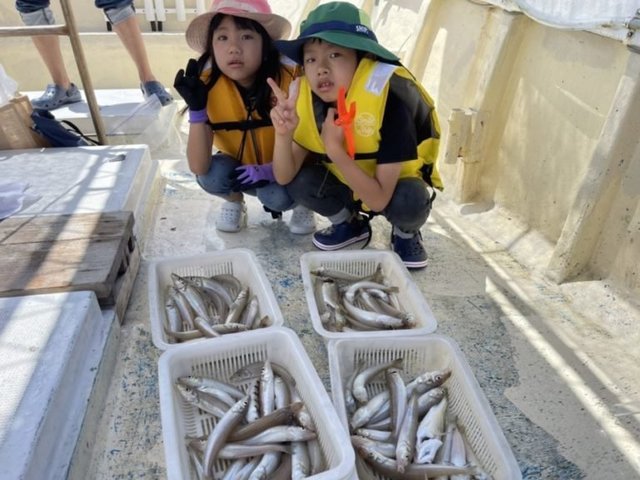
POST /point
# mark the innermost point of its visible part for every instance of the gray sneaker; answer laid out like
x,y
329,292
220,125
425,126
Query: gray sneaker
x,y
55,96
156,88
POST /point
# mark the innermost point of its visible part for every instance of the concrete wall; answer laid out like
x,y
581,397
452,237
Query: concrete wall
x,y
540,125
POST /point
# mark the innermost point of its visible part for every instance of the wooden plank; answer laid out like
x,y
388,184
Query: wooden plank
x,y
124,283
58,253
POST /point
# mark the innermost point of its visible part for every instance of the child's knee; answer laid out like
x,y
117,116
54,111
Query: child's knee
x,y
119,13
42,16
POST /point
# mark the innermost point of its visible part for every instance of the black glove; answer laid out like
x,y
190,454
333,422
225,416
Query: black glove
x,y
190,87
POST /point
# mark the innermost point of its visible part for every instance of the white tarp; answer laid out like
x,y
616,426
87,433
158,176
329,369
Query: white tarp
x,y
607,17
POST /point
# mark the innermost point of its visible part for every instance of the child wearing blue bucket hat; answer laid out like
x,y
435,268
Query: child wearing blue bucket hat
x,y
357,135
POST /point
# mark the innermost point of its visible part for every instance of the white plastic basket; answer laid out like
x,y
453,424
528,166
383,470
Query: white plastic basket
x,y
362,263
219,358
240,262
465,398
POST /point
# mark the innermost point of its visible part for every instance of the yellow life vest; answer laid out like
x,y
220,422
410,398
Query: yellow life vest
x,y
369,89
228,117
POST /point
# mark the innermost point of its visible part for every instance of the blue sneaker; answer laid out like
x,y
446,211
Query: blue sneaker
x,y
55,96
410,250
343,234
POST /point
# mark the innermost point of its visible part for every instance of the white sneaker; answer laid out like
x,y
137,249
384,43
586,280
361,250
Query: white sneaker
x,y
302,221
232,216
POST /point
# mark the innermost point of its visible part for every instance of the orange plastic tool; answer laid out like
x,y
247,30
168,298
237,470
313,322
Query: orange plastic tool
x,y
345,120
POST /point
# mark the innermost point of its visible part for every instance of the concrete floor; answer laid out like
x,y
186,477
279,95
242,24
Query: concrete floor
x,y
559,364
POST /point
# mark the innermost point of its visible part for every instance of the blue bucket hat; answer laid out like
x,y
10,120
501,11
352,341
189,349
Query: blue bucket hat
x,y
340,23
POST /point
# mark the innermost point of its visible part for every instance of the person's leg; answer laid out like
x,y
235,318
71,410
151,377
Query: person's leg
x,y
407,212
217,180
275,197
232,215
62,91
409,206
121,14
319,190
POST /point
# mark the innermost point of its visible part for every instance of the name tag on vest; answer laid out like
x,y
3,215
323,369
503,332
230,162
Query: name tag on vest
x,y
379,77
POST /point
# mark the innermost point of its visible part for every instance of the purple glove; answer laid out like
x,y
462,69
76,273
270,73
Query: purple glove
x,y
249,177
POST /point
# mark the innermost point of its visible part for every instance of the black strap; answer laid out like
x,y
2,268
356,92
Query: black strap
x,y
75,128
358,156
242,125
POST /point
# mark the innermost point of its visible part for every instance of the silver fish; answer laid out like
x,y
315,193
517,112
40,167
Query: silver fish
x,y
193,398
184,335
359,383
221,431
385,448
303,417
373,319
281,393
351,291
237,307
426,450
315,456
389,467
300,462
186,311
375,435
196,381
253,370
267,465
230,282
233,472
231,451
173,321
245,472
407,435
205,327
281,416
249,316
363,414
267,389
398,398
349,400
281,433
432,424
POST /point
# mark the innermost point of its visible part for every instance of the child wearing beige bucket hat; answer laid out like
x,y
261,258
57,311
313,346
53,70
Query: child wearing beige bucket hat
x,y
229,101
369,124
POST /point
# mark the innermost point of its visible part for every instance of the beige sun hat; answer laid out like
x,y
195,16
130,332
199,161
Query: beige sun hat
x,y
259,10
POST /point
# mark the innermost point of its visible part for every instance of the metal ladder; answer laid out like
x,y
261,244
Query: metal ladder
x,y
68,29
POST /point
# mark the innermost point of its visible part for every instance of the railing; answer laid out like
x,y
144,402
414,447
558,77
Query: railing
x,y
155,12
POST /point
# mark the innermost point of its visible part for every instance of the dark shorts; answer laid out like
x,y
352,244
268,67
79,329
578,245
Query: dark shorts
x,y
28,6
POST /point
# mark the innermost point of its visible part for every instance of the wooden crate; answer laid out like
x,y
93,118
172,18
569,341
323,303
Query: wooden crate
x,y
61,253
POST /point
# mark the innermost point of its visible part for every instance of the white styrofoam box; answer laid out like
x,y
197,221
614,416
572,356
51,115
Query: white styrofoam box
x,y
240,262
362,263
465,398
123,111
87,180
52,355
220,358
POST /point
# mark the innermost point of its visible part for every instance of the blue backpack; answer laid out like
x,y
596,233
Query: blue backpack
x,y
59,133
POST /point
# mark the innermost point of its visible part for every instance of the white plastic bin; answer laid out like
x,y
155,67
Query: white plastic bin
x,y
220,358
362,263
466,400
240,262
